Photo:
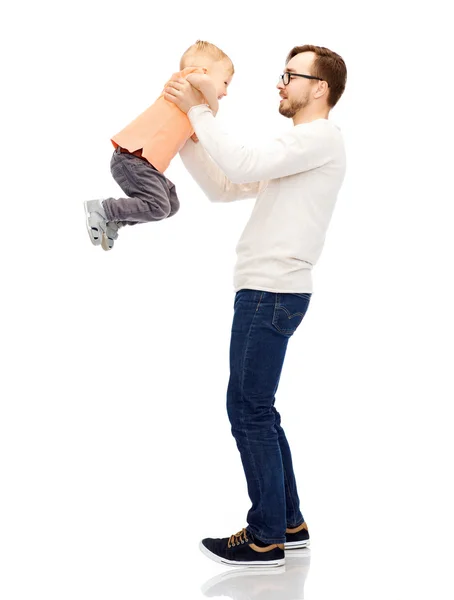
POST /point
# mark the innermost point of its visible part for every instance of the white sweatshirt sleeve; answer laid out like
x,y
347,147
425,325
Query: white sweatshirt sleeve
x,y
210,178
300,149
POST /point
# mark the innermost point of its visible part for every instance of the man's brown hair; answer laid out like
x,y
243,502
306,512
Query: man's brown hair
x,y
327,65
192,54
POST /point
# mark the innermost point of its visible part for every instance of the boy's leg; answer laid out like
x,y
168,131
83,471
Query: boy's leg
x,y
146,188
174,208
173,198
151,197
113,226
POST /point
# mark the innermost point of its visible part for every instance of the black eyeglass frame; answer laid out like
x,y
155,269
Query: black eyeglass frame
x,y
289,74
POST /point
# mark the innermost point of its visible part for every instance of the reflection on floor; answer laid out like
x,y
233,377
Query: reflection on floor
x,y
281,583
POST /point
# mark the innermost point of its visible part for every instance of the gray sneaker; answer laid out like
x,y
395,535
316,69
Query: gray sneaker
x,y
96,220
110,234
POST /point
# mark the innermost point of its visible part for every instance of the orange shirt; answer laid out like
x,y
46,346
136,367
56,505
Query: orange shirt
x,y
160,131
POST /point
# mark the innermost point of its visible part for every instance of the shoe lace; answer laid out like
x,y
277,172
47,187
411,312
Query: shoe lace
x,y
238,538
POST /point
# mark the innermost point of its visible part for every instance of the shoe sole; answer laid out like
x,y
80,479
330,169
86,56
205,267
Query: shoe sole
x,y
238,563
89,227
106,242
296,545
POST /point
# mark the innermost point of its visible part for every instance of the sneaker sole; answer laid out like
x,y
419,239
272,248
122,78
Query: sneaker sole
x,y
296,545
89,228
106,242
237,563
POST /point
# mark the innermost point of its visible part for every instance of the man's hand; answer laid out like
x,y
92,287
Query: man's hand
x,y
183,94
206,86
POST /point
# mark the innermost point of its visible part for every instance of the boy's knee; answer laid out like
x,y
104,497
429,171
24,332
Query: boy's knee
x,y
174,208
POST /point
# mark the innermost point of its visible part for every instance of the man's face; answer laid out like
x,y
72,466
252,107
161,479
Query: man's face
x,y
297,94
221,74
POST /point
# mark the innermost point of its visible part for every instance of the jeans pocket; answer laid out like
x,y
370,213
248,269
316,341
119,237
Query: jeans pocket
x,y
289,311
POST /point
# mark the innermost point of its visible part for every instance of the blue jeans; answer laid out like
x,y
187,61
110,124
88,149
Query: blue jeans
x,y
263,322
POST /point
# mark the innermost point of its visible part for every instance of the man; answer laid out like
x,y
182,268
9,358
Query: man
x,y
296,179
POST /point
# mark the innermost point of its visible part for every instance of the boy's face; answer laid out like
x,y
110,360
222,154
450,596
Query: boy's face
x,y
221,75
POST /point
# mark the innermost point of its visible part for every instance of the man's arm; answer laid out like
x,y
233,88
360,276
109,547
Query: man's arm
x,y
205,85
301,149
216,186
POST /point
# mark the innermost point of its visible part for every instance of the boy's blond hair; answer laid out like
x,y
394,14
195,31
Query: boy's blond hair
x,y
195,54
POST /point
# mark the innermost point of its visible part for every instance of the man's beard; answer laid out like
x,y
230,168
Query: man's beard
x,y
289,108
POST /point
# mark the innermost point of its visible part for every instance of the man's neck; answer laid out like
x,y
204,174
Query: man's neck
x,y
302,117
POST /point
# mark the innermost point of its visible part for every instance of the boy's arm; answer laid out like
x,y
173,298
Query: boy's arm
x,y
204,84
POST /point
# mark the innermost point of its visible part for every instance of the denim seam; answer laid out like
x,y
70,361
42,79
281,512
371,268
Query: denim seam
x,y
242,400
289,492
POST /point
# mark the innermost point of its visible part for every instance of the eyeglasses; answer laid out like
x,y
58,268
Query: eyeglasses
x,y
285,77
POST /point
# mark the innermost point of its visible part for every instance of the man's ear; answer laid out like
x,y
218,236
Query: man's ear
x,y
322,89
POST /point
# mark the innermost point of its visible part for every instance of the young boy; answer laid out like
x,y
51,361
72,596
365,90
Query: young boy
x,y
145,147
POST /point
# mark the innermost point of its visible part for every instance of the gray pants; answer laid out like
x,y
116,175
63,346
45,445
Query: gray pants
x,y
152,196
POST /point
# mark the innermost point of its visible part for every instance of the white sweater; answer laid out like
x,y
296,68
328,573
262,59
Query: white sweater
x,y
295,177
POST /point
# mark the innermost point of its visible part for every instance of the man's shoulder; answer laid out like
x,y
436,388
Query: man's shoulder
x,y
317,124
320,137
322,129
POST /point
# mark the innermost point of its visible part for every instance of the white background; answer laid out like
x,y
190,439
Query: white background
x,y
116,451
